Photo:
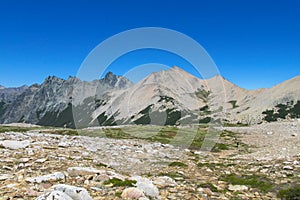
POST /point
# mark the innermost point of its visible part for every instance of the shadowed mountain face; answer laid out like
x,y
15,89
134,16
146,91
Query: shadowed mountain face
x,y
169,97
8,95
51,102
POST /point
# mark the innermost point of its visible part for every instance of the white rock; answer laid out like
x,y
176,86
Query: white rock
x,y
287,167
164,181
4,177
296,162
147,186
64,144
76,193
54,195
50,177
24,160
14,144
132,193
42,160
82,171
237,188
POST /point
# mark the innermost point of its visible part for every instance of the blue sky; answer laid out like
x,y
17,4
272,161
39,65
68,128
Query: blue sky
x,y
254,43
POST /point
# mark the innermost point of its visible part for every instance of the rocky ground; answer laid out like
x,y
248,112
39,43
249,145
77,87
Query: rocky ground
x,y
35,165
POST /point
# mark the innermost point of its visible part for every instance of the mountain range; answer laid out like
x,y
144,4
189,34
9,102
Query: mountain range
x,y
168,97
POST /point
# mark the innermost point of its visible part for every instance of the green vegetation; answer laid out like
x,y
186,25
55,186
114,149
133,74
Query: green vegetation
x,y
205,120
208,185
118,194
172,118
15,129
289,193
233,103
214,165
219,147
239,124
177,164
205,110
118,182
282,111
101,165
58,119
253,181
203,95
162,134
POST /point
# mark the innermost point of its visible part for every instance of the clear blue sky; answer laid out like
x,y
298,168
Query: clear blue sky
x,y
255,43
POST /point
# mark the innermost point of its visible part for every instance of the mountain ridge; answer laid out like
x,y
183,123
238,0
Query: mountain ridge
x,y
168,97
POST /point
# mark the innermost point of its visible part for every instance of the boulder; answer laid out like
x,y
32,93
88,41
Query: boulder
x,y
236,188
54,195
147,186
132,193
15,144
164,181
82,171
46,178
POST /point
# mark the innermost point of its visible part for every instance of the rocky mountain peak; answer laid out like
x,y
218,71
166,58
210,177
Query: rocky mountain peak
x,y
110,78
116,81
52,79
1,87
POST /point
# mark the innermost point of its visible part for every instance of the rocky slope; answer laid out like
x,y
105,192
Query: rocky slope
x,y
8,95
176,97
40,165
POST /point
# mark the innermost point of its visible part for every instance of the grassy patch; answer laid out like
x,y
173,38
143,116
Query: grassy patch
x,y
101,165
253,181
235,125
289,193
15,129
209,185
118,182
233,103
220,147
203,95
211,165
118,194
177,164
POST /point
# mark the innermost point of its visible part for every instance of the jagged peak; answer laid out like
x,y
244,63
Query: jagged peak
x,y
55,78
116,81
